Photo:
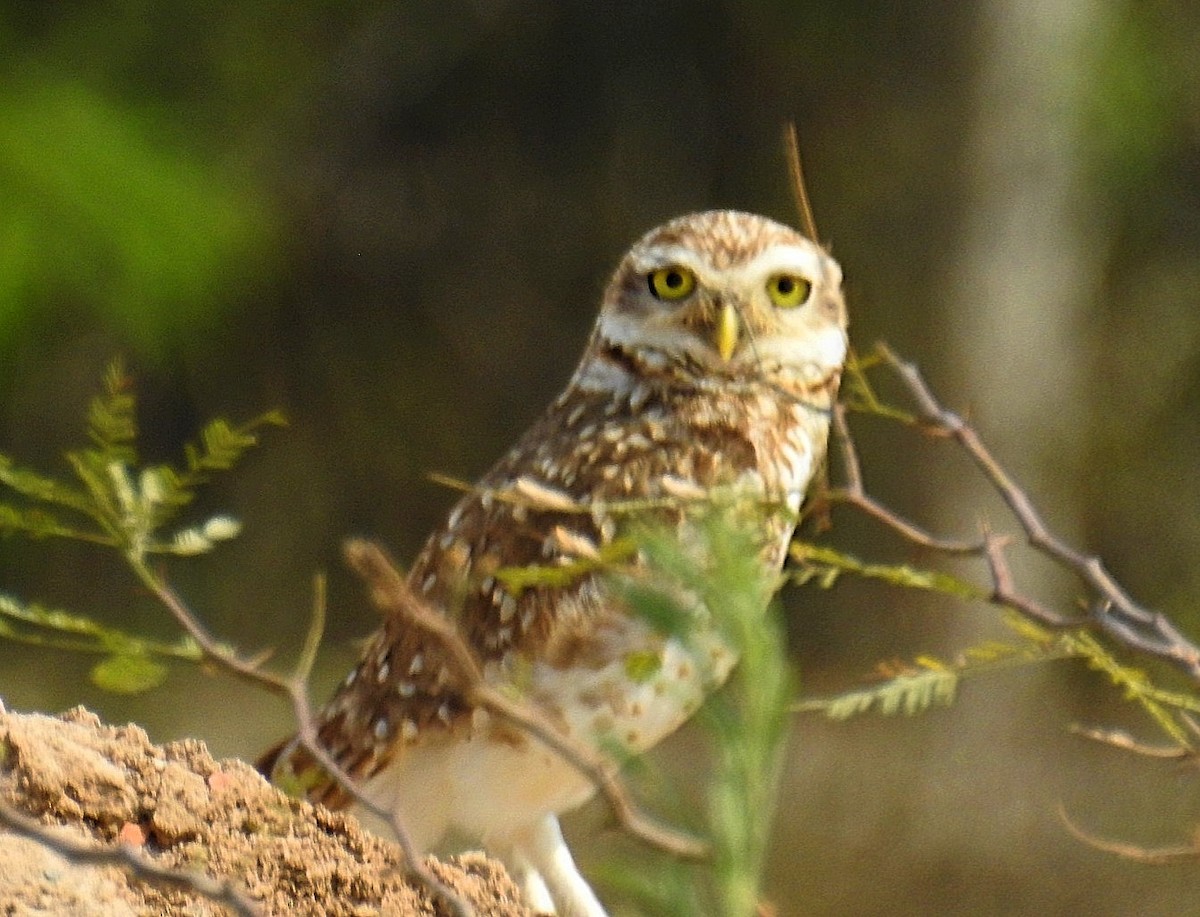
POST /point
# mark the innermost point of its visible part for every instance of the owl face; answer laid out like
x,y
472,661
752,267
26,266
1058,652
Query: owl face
x,y
721,296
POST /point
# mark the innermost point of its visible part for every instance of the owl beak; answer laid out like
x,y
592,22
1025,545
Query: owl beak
x,y
727,331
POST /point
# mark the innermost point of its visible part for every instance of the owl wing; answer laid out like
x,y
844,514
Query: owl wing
x,y
515,566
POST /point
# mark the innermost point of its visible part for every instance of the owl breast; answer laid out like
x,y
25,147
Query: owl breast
x,y
601,671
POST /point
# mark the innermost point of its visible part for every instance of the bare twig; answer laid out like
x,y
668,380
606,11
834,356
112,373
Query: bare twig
x,y
791,144
1160,856
1114,611
853,492
1126,742
128,857
1004,592
392,596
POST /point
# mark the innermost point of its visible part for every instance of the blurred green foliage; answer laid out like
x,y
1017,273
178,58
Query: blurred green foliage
x,y
103,207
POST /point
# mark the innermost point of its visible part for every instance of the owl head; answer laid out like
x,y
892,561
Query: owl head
x,y
722,296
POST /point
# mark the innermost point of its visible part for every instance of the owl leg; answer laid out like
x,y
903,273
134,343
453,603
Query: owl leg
x,y
529,880
546,869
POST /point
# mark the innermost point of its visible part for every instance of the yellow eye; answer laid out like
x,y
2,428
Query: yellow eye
x,y
671,283
788,291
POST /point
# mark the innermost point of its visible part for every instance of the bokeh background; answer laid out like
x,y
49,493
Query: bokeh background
x,y
393,221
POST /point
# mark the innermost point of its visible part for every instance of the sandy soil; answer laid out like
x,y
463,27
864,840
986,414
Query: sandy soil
x,y
185,810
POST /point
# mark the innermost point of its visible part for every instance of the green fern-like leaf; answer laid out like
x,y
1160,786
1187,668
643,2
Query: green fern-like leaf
x,y
52,628
826,564
109,499
111,420
1163,706
49,618
37,523
720,565
909,693
222,445
123,507
517,579
41,488
691,589
932,682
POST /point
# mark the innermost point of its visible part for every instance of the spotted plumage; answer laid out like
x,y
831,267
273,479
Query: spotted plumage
x,y
712,367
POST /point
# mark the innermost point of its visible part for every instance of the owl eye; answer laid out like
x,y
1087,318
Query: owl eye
x,y
671,283
787,291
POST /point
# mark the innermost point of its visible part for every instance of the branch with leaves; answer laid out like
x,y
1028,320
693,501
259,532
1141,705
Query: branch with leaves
x,y
1042,633
1110,608
114,503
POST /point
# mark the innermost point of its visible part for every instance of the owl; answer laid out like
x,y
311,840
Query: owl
x,y
714,364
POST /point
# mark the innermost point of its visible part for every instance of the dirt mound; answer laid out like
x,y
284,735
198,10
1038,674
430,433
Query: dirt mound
x,y
183,810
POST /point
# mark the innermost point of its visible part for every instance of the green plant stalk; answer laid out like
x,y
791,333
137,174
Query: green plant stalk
x,y
749,720
749,723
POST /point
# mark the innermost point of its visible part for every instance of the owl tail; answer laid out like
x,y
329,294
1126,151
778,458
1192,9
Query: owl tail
x,y
292,769
269,761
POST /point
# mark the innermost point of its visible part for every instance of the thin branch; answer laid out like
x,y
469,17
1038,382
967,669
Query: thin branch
x,y
392,596
1115,611
1160,856
791,145
128,857
316,630
1122,740
1004,592
295,689
853,492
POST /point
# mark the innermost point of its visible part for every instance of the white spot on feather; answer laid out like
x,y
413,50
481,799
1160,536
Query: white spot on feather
x,y
539,496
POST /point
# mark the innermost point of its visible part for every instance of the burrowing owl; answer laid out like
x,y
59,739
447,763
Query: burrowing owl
x,y
714,361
